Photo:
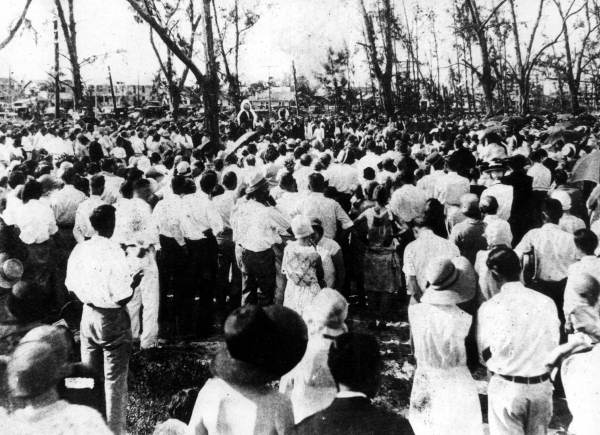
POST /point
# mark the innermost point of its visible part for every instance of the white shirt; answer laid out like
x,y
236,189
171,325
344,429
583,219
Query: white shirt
x,y
167,216
408,202
134,224
504,196
98,272
589,264
428,182
112,187
327,249
450,187
224,204
301,176
343,178
257,227
199,215
570,223
83,228
554,251
520,327
64,203
287,202
419,253
36,221
542,177
327,210
501,225
58,418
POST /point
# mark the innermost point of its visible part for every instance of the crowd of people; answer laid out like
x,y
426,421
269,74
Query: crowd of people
x,y
120,236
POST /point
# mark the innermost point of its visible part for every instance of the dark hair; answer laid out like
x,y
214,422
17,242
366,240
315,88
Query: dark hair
x,y
316,182
230,180
488,205
16,178
97,184
552,209
178,184
560,177
369,173
505,262
103,218
305,160
354,361
586,241
208,181
31,190
182,404
382,195
127,189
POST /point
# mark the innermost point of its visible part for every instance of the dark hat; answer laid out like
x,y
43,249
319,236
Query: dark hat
x,y
517,162
261,345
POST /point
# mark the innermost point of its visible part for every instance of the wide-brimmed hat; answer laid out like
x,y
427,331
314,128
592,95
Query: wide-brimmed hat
x,y
451,281
495,165
261,345
255,182
11,271
301,226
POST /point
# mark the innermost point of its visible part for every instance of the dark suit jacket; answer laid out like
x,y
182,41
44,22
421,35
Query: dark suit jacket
x,y
353,416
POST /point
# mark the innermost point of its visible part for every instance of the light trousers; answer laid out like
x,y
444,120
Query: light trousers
x,y
515,409
144,306
106,348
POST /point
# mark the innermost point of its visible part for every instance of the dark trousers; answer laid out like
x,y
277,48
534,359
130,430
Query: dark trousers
x,y
171,261
258,276
229,277
194,305
555,290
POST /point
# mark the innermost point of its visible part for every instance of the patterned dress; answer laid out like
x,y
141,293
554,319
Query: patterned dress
x,y
300,264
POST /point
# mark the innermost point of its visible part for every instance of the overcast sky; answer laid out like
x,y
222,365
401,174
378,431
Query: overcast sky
x,y
299,30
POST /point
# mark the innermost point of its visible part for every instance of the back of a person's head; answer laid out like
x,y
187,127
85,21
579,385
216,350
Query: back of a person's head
x,y
16,178
230,180
316,182
355,362
369,173
560,177
31,190
381,195
97,184
504,261
208,181
126,189
103,217
305,160
27,302
488,205
552,210
586,241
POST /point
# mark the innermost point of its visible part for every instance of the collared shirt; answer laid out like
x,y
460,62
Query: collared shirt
x,y
83,228
408,202
287,202
520,327
199,215
554,251
167,216
225,204
257,227
542,177
301,176
419,253
98,272
64,203
449,188
134,224
428,182
589,264
504,195
36,221
570,223
327,210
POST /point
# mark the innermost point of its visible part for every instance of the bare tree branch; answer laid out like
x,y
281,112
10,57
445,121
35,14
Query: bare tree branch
x,y
15,27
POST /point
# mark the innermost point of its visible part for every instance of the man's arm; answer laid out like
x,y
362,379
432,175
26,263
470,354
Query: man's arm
x,y
340,269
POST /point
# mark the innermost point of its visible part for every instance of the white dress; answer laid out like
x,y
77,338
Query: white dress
x,y
444,398
299,265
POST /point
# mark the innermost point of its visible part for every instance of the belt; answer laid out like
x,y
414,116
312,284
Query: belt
x,y
104,309
526,380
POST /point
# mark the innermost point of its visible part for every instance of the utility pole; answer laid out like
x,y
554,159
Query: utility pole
x,y
10,88
269,83
295,88
112,91
56,73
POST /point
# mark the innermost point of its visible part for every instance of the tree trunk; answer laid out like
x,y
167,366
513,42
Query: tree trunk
x,y
387,94
234,91
211,85
574,92
70,33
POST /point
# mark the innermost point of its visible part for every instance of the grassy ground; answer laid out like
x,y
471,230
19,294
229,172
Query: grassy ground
x,y
157,374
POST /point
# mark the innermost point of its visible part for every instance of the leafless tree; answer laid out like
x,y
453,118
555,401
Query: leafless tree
x,y
15,26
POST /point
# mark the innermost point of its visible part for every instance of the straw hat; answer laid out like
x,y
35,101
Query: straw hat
x,y
11,271
301,227
255,182
451,281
